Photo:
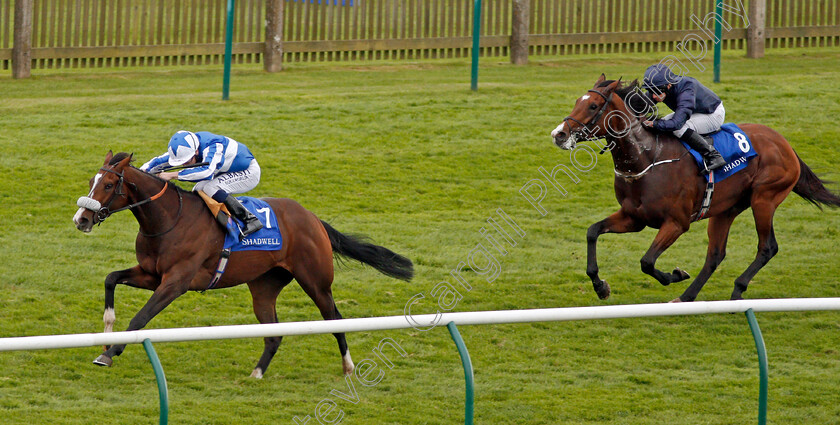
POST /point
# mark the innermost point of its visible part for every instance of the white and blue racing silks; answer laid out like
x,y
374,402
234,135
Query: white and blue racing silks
x,y
223,155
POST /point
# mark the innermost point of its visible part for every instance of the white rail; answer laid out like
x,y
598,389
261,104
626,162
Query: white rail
x,y
419,321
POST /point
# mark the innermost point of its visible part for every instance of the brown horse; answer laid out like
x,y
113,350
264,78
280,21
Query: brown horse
x,y
180,242
657,186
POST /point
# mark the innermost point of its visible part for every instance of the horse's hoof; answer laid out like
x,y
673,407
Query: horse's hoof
x,y
680,275
676,300
603,290
257,373
103,360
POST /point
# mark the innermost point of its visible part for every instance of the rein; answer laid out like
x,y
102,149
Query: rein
x,y
103,212
175,223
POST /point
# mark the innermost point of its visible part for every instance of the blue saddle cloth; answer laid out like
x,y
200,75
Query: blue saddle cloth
x,y
735,147
266,239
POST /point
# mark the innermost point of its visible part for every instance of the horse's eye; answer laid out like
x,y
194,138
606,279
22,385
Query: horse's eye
x,y
109,186
593,107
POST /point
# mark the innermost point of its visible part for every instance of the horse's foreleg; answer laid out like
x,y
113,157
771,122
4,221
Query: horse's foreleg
x,y
767,246
718,236
135,277
668,234
618,222
165,293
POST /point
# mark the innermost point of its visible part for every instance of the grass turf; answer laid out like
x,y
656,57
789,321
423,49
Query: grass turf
x,y
407,154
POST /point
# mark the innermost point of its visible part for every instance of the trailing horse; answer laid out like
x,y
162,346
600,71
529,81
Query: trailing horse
x,y
180,244
656,187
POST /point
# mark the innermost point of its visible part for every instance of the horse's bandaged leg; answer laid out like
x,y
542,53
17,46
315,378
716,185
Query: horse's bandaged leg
x,y
109,318
347,363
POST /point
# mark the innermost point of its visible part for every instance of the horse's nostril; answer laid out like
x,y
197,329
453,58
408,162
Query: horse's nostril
x,y
81,223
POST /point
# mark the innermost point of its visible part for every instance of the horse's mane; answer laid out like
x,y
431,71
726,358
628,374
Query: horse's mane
x,y
639,102
118,157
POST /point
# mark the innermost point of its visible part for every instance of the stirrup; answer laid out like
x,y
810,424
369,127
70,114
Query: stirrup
x,y
246,228
706,168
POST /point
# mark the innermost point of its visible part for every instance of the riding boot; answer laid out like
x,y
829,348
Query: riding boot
x,y
250,221
702,144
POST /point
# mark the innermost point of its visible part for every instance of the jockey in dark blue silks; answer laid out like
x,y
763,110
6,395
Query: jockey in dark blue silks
x,y
697,111
230,168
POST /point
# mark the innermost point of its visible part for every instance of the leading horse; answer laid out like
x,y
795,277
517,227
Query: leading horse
x,y
180,243
656,186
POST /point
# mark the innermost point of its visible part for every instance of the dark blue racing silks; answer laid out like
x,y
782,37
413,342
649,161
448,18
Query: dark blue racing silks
x,y
685,97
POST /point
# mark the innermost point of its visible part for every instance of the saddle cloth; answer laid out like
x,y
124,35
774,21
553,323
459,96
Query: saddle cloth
x,y
735,147
266,239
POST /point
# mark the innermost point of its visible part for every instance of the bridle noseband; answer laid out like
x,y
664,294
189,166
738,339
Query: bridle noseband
x,y
103,212
594,120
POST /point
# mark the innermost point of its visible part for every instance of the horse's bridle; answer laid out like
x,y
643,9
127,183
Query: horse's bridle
x,y
103,212
597,116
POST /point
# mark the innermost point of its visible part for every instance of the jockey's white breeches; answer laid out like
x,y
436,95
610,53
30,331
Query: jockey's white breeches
x,y
702,123
232,183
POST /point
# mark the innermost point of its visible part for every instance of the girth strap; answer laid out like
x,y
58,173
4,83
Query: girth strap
x,y
220,269
707,198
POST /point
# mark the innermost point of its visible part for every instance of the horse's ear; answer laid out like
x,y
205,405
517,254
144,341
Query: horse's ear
x,y
124,162
635,83
614,85
601,79
108,157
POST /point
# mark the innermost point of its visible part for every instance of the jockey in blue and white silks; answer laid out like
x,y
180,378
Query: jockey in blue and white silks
x,y
231,168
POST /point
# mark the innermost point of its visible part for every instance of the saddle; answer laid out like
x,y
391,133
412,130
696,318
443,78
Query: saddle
x,y
218,209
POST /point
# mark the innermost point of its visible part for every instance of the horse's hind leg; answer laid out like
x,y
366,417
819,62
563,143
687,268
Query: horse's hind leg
x,y
718,236
668,234
767,245
135,277
264,292
318,288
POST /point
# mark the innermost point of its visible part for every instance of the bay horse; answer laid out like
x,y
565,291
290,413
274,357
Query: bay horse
x,y
658,185
180,242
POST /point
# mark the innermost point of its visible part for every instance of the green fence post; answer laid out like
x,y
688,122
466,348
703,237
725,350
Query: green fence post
x,y
161,381
468,371
476,44
228,49
762,365
718,37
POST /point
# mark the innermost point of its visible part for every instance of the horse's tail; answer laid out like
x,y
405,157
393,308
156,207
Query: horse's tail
x,y
378,257
813,189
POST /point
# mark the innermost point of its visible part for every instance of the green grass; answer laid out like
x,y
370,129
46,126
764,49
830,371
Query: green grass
x,y
408,155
